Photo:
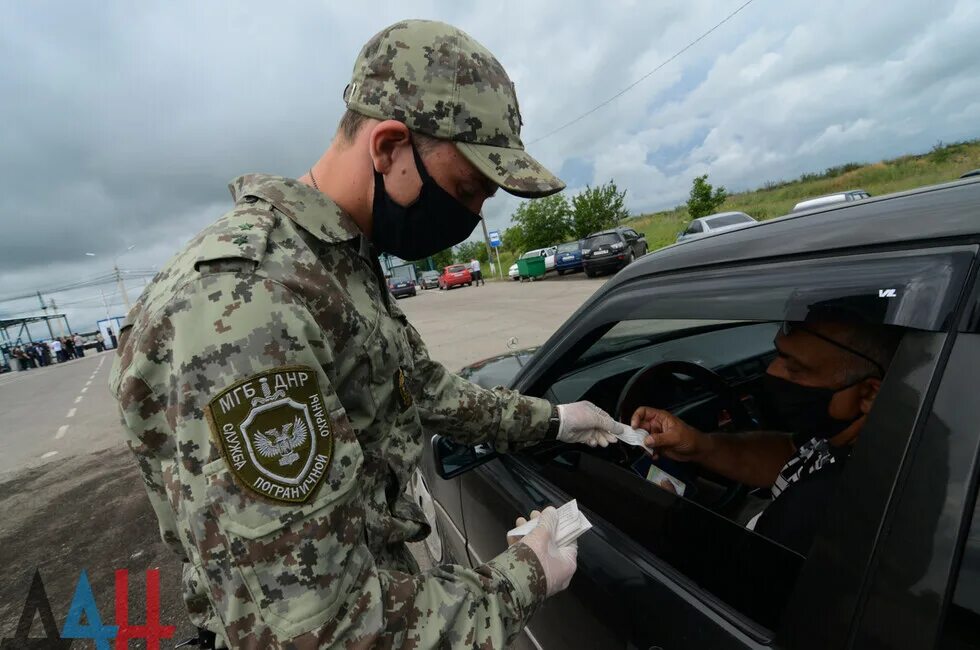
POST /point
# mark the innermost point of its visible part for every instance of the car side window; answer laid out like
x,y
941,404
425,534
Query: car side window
x,y
711,375
961,630
702,532
694,228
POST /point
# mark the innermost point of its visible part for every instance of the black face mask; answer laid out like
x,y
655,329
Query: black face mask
x,y
431,223
798,409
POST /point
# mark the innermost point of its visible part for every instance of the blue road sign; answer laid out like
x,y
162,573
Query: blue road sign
x,y
494,238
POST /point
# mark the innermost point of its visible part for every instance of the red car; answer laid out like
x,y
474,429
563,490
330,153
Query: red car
x,y
454,276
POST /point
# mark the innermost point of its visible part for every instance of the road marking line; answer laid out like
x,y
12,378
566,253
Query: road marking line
x,y
62,430
85,388
71,413
78,399
88,383
49,454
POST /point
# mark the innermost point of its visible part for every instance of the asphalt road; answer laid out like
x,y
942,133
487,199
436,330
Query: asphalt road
x,y
55,412
70,495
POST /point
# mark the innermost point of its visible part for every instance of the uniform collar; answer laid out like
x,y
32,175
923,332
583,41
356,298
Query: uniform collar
x,y
311,210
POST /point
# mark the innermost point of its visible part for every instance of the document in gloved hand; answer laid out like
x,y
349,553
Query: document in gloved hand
x,y
571,524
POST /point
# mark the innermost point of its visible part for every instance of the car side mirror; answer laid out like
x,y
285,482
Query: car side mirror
x,y
453,458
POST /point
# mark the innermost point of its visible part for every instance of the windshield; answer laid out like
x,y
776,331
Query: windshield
x,y
601,240
569,248
728,220
430,275
530,254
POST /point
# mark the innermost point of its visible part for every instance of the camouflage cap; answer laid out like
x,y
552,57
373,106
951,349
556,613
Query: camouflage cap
x,y
440,81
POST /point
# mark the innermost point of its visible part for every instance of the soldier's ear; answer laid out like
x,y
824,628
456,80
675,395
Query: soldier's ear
x,y
385,139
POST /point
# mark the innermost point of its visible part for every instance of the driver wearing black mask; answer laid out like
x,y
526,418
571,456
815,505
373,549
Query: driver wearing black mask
x,y
818,392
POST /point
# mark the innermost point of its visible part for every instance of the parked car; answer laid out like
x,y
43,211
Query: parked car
x,y
401,287
568,257
896,566
90,340
455,275
611,250
429,280
831,199
713,223
549,260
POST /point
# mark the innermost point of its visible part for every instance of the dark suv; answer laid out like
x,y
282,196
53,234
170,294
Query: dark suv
x,y
896,563
611,250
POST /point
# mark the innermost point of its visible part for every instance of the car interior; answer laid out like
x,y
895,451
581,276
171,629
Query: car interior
x,y
708,373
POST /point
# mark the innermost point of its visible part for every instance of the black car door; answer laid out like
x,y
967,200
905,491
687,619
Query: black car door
x,y
660,570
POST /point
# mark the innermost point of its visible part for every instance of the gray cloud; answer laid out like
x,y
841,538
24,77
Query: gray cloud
x,y
123,123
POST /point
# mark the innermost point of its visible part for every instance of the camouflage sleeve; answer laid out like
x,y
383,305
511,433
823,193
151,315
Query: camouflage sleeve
x,y
288,565
455,407
150,445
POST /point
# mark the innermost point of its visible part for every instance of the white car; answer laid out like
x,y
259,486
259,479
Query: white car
x,y
830,199
549,260
713,223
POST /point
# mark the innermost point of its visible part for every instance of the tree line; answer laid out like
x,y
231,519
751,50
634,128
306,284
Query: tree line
x,y
539,223
547,222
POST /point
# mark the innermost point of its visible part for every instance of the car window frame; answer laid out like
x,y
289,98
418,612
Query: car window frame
x,y
528,381
949,439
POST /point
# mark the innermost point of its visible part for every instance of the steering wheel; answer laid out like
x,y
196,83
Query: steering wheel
x,y
647,387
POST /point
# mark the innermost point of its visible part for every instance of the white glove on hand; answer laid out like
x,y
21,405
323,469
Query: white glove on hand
x,y
586,423
558,562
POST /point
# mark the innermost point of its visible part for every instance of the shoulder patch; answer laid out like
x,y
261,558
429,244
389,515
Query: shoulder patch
x,y
274,432
401,389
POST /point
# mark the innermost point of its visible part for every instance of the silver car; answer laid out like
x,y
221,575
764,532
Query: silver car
x,y
713,223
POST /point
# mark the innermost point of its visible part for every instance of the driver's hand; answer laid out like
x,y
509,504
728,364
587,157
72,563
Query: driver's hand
x,y
669,435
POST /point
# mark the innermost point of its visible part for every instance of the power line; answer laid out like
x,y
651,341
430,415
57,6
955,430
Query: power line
x,y
643,78
95,281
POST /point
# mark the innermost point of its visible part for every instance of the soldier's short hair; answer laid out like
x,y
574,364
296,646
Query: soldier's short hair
x,y
351,123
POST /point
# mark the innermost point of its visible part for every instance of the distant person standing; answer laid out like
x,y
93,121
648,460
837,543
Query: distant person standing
x,y
44,352
59,352
79,346
99,342
476,272
20,358
69,346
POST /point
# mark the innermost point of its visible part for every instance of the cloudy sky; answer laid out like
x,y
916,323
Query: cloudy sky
x,y
121,123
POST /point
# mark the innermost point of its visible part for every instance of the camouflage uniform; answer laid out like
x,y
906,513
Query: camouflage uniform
x,y
275,397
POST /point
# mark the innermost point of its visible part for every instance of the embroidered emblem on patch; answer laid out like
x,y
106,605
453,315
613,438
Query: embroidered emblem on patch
x,y
274,432
402,389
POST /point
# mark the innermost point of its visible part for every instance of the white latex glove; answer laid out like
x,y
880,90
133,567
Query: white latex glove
x,y
558,562
586,423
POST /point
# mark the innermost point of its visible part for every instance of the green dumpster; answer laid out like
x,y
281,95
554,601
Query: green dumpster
x,y
530,267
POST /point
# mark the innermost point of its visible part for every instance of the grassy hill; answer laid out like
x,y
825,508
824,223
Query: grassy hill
x,y
944,163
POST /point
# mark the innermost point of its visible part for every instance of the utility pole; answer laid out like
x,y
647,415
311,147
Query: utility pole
x,y
106,304
46,321
54,313
122,288
486,239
